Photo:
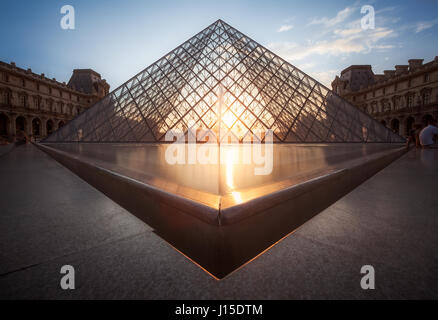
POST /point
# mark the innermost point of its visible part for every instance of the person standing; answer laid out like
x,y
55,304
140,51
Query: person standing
x,y
428,135
414,136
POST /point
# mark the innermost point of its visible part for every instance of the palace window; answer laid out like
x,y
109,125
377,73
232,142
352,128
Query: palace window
x,y
36,102
22,100
426,77
426,97
410,100
396,102
386,105
4,77
4,97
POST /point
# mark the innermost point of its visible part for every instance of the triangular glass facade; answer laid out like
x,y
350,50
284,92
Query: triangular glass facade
x,y
223,81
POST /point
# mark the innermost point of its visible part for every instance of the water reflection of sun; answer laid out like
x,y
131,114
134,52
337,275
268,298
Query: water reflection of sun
x,y
230,156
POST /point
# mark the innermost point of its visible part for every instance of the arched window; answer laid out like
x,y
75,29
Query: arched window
x,y
4,121
36,127
395,125
426,118
20,124
409,124
49,126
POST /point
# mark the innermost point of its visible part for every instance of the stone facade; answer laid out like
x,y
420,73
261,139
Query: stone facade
x,y
37,105
398,98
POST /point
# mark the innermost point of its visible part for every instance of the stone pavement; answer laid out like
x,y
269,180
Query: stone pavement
x,y
49,218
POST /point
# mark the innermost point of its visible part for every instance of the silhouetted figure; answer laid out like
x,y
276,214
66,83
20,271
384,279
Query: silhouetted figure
x,y
428,135
414,136
3,141
22,138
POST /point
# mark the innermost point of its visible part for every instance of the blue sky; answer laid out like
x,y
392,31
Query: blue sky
x,y
120,38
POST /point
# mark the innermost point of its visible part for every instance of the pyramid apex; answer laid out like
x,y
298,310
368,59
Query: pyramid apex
x,y
184,87
220,21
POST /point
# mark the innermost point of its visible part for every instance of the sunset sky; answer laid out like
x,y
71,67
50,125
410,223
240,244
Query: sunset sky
x,y
120,38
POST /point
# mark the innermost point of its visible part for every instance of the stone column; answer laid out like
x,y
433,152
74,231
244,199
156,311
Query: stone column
x,y
43,127
402,127
28,128
12,127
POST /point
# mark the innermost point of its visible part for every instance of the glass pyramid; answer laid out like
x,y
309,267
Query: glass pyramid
x,y
223,82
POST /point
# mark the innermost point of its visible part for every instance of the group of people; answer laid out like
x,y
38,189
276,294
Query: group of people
x,y
20,138
424,137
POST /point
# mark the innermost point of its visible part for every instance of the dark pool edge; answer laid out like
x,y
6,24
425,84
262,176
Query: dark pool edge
x,y
89,170
222,241
221,215
376,161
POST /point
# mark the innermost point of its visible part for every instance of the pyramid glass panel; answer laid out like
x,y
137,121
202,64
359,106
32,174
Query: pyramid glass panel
x,y
222,69
221,86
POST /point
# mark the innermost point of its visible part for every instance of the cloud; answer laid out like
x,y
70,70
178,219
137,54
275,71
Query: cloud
x,y
285,27
423,25
325,77
340,17
305,66
344,42
339,36
347,32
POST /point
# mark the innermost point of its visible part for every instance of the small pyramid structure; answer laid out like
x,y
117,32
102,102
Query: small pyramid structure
x,y
223,81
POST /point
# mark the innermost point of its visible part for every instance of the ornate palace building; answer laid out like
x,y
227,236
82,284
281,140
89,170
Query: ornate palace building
x,y
397,98
37,105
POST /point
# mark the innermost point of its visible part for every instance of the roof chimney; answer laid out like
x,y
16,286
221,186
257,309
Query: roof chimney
x,y
415,63
389,73
399,69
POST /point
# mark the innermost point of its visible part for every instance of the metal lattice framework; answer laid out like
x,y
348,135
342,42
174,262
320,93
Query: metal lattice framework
x,y
223,81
